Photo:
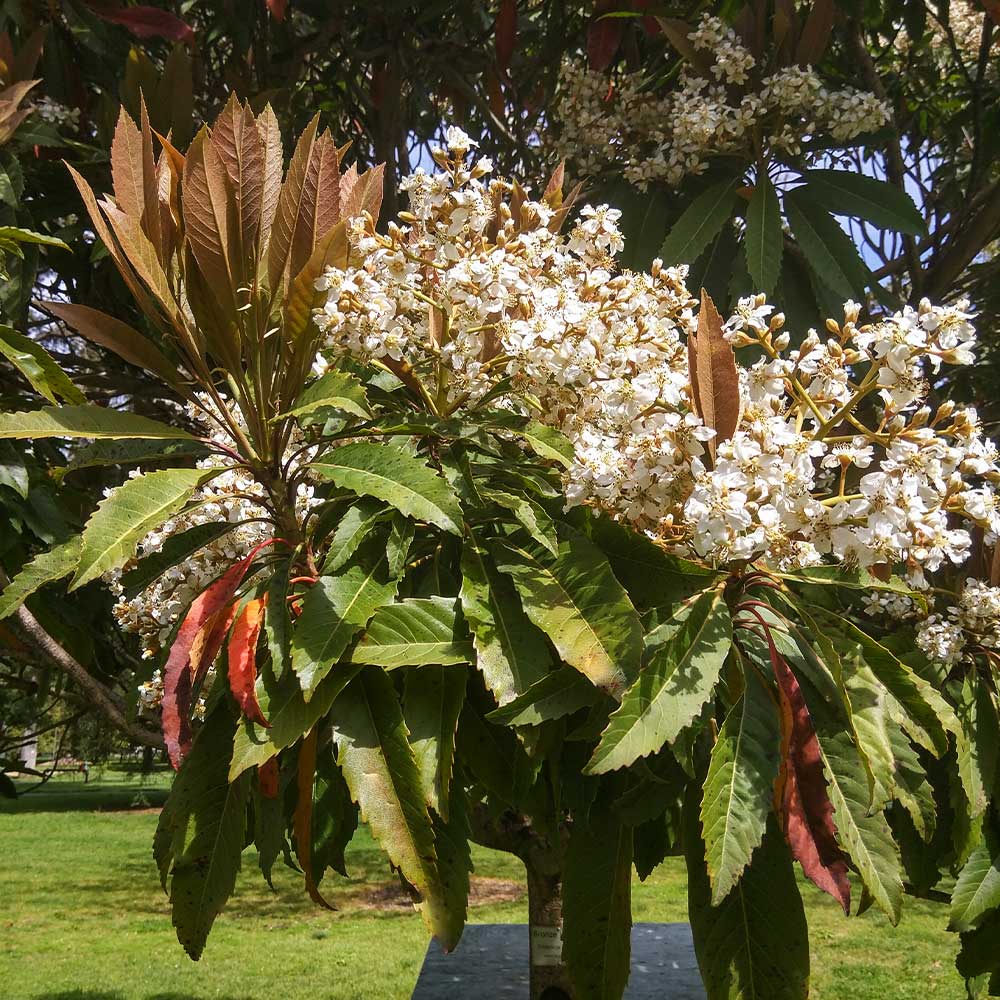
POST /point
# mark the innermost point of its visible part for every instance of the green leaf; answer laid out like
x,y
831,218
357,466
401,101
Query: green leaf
x,y
394,475
85,422
44,568
129,513
532,517
13,469
432,701
755,945
828,249
511,653
175,550
977,742
415,632
200,835
977,890
763,239
39,367
672,687
353,529
335,390
597,901
16,235
334,611
382,773
557,694
577,602
738,788
845,192
872,724
334,817
867,839
278,620
131,453
701,221
548,442
842,576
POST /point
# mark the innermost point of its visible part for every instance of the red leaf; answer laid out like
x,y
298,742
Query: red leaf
x,y
267,776
200,634
242,660
277,9
805,806
302,820
506,33
144,21
603,38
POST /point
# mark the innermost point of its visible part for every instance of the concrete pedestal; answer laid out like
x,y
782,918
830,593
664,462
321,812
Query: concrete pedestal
x,y
491,963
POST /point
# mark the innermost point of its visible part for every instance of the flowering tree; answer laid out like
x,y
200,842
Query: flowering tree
x,y
464,533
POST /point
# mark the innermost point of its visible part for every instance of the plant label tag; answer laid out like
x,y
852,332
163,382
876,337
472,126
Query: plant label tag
x,y
546,945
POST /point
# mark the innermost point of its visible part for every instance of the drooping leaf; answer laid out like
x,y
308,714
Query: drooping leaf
x,y
738,788
334,611
381,771
577,602
699,224
336,390
415,632
715,382
977,742
335,816
46,567
200,835
597,899
145,21
763,241
845,192
132,452
559,693
432,701
977,891
129,513
278,620
511,653
39,367
673,685
866,838
394,475
302,820
85,422
243,659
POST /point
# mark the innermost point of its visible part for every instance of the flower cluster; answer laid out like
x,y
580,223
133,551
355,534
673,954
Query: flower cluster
x,y
621,125
973,624
56,114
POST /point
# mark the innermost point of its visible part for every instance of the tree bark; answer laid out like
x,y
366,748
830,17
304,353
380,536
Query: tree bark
x,y
549,975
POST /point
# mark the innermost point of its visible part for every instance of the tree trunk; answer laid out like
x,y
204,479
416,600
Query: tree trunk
x,y
549,976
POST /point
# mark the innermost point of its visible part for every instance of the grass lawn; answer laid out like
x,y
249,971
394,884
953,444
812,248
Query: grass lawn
x,y
83,918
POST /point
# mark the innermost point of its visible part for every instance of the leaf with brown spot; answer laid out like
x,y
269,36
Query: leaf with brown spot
x,y
715,382
805,807
302,820
243,660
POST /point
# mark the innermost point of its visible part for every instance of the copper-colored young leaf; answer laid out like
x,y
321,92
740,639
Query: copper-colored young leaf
x,y
805,806
274,165
715,381
604,35
141,254
505,33
206,216
553,193
126,166
678,32
303,298
289,206
319,204
302,824
209,640
816,32
28,53
243,660
267,777
191,644
106,331
145,21
241,150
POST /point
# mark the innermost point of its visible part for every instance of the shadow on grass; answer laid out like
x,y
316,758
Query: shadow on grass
x,y
116,995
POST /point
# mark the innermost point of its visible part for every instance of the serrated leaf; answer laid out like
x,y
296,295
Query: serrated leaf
x,y
559,693
200,834
128,514
701,221
353,528
844,192
867,839
977,891
738,789
532,517
577,602
85,422
131,452
977,742
334,611
396,476
763,239
597,899
432,701
511,652
46,567
673,685
242,659
415,632
176,549
828,249
335,390
715,382
38,366
381,770
548,442
17,235
278,620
